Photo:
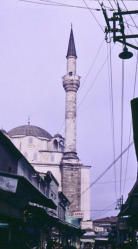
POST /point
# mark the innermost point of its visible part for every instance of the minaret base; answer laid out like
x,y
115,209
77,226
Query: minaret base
x,y
71,184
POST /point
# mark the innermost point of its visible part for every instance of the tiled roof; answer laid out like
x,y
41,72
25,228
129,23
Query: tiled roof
x,y
106,219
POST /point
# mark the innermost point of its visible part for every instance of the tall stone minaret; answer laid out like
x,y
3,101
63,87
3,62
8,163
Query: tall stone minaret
x,y
71,83
71,167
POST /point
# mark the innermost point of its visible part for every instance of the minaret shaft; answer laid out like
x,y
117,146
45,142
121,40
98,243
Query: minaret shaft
x,y
71,65
70,122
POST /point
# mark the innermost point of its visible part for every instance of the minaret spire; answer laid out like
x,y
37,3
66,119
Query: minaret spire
x,y
71,46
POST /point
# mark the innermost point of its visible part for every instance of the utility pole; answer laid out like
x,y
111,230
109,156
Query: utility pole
x,y
119,203
119,34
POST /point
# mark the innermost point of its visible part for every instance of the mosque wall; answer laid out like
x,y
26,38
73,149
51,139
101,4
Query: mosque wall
x,y
85,195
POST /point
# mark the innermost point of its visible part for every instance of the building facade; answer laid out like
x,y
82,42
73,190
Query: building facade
x,y
57,154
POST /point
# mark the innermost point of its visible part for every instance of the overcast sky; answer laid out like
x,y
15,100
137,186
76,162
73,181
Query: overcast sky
x,y
33,46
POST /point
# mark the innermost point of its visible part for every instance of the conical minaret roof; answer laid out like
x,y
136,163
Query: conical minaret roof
x,y
71,47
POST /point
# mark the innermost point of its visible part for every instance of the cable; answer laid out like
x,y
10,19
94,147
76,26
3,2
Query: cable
x,y
122,117
56,4
92,64
112,116
109,167
94,81
129,14
135,81
108,182
110,4
106,209
93,16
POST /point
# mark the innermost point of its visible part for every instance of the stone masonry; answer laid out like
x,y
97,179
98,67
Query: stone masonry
x,y
71,167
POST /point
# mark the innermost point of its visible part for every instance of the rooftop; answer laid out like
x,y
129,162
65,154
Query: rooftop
x,y
29,130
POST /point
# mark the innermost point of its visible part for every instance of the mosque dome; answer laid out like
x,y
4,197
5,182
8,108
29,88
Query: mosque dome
x,y
29,130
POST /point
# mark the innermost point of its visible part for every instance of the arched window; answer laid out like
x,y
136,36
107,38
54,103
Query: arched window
x,y
55,144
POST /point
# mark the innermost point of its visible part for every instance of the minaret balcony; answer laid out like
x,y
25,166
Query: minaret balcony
x,y
71,85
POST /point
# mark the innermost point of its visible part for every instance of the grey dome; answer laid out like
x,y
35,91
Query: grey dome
x,y
29,130
58,135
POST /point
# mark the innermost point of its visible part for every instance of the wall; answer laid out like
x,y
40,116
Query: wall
x,y
8,161
85,197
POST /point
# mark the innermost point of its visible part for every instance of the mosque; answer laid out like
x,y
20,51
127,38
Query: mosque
x,y
57,154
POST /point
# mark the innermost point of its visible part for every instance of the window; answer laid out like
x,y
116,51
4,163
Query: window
x,y
55,144
70,73
30,140
52,157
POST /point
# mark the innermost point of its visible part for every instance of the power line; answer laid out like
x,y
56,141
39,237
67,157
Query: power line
x,y
107,210
122,118
129,14
92,65
57,4
108,182
112,116
109,167
94,81
93,16
110,4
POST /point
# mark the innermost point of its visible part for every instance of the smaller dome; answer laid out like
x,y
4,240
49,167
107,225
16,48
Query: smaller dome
x,y
29,130
58,135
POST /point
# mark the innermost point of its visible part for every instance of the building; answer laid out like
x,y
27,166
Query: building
x,y
32,211
128,216
103,226
57,154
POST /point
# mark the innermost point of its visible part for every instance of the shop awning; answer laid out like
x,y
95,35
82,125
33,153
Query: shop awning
x,y
20,190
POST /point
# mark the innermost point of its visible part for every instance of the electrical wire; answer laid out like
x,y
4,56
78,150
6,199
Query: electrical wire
x,y
106,170
92,65
112,112
94,81
93,15
108,182
110,4
129,14
128,26
107,210
122,119
57,4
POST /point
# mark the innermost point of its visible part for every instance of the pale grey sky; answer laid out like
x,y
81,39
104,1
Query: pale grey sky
x,y
33,46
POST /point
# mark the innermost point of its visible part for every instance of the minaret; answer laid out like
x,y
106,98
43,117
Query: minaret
x,y
71,166
71,83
